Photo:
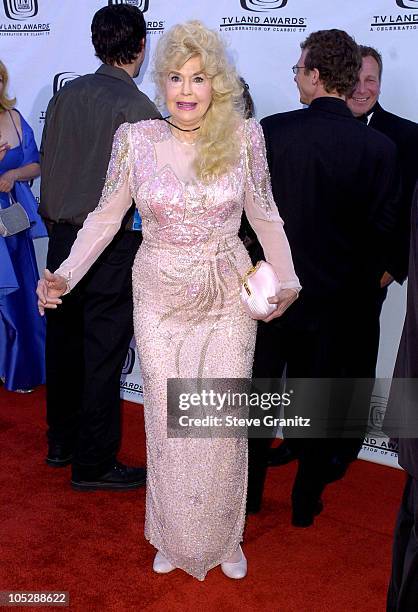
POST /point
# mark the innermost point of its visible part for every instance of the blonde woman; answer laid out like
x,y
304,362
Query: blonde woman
x,y
22,332
190,176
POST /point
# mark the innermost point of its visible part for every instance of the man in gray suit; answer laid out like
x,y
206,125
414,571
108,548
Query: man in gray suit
x,y
88,337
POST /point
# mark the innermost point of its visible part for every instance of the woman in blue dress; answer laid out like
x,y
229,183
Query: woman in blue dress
x,y
22,330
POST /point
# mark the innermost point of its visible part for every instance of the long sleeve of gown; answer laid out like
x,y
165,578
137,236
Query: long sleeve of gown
x,y
102,223
261,209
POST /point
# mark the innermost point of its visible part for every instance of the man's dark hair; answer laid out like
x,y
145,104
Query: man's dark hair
x,y
337,57
374,53
117,32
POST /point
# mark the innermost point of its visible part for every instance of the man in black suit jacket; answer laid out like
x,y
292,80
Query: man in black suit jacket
x,y
336,183
401,420
363,103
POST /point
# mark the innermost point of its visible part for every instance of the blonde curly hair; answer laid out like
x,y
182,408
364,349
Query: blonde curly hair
x,y
6,103
218,146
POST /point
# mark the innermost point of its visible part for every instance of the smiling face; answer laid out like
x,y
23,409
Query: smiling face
x,y
188,94
367,89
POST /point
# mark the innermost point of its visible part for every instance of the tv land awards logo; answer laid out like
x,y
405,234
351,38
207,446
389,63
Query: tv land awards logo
x,y
376,442
377,413
20,9
262,6
408,4
128,366
154,26
19,15
58,82
61,79
400,22
141,4
131,389
380,445
267,19
131,379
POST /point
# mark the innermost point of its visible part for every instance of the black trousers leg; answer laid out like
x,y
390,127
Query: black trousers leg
x,y
276,346
269,362
64,349
97,326
108,330
310,356
333,340
403,587
342,345
361,347
362,356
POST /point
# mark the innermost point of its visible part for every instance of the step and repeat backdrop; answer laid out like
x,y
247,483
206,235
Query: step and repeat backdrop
x,y
46,43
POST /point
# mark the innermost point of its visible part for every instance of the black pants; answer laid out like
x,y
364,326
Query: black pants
x,y
403,587
335,341
87,342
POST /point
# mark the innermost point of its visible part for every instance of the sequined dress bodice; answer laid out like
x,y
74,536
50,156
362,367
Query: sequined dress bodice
x,y
191,252
178,210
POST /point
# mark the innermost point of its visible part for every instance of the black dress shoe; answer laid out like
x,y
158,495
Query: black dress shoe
x,y
120,477
281,455
58,455
303,516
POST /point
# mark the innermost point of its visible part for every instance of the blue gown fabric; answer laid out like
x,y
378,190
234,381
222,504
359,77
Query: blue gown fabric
x,y
22,329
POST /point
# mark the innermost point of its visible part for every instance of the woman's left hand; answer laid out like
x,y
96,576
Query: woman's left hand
x,y
7,181
4,147
283,301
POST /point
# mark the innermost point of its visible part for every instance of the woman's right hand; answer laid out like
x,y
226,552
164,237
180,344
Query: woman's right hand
x,y
50,288
283,299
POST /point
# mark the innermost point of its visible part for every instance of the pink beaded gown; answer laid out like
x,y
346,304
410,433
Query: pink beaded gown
x,y
188,319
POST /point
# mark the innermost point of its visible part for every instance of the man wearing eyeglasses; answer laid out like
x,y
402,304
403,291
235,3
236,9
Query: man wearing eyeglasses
x,y
336,183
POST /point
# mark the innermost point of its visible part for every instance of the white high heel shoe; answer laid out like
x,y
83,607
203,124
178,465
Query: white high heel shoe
x,y
161,565
235,570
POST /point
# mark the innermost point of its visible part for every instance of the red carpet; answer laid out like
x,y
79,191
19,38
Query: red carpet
x,y
92,545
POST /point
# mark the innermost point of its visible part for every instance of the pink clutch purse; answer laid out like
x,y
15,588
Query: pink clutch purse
x,y
259,283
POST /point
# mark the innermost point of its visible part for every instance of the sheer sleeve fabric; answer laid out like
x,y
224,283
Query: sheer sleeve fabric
x,y
261,209
102,224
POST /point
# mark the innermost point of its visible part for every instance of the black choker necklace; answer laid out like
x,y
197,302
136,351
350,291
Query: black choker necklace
x,y
178,128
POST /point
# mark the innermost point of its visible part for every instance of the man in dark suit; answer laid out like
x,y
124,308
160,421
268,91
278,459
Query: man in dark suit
x,y
401,420
364,104
336,184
